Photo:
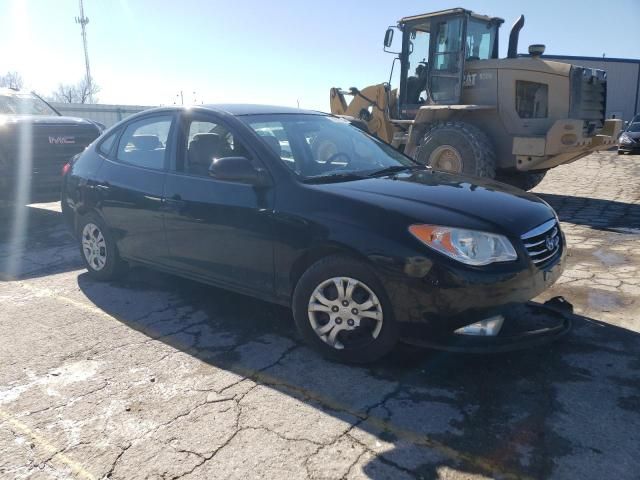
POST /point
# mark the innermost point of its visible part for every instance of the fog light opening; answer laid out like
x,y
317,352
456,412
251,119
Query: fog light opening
x,y
489,327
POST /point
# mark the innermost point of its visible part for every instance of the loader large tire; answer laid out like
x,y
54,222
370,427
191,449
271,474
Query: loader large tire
x,y
523,180
457,147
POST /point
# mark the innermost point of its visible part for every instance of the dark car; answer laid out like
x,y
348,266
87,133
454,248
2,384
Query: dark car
x,y
305,210
629,141
35,143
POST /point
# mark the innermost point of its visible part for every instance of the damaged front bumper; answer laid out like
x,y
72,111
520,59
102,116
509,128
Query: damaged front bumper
x,y
521,326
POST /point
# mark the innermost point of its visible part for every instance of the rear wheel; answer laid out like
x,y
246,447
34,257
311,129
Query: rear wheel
x,y
98,249
342,310
457,147
523,180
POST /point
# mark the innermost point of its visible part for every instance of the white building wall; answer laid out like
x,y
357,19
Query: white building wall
x,y
623,82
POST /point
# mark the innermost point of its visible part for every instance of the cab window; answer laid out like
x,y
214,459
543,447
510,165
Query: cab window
x,y
417,68
480,39
448,45
144,142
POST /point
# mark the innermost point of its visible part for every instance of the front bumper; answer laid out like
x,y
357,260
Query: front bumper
x,y
528,325
565,142
629,147
443,297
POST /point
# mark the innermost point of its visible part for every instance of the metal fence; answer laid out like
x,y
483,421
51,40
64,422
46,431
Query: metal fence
x,y
106,114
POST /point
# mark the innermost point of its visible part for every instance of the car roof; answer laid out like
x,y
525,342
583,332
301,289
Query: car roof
x,y
13,91
238,109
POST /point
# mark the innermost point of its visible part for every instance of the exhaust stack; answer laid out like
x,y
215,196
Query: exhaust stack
x,y
513,37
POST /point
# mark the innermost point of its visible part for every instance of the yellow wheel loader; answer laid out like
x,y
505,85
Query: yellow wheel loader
x,y
460,108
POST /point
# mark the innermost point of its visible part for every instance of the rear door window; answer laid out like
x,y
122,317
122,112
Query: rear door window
x,y
144,142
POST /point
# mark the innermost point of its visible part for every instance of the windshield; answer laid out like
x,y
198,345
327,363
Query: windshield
x,y
24,104
634,127
317,146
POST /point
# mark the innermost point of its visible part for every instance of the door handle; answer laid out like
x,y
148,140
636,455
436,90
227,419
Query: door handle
x,y
174,203
100,185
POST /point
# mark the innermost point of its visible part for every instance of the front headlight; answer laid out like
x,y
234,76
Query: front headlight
x,y
624,138
467,246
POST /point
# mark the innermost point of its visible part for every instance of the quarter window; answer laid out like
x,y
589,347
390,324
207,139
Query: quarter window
x,y
106,145
144,142
532,99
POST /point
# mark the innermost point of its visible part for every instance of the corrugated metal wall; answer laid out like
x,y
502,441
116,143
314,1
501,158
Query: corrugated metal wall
x,y
105,114
623,82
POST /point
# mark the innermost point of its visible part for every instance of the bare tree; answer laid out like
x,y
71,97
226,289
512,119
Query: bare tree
x,y
82,92
64,94
11,80
87,91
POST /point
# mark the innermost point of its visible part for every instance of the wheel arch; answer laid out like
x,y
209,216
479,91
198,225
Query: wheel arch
x,y
83,211
428,115
316,253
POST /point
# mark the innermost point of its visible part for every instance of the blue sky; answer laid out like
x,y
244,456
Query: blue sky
x,y
279,52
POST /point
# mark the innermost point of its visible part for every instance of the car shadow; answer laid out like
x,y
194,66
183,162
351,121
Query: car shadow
x,y
522,414
600,214
34,242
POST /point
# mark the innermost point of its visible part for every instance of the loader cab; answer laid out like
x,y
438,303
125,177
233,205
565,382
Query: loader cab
x,y
435,47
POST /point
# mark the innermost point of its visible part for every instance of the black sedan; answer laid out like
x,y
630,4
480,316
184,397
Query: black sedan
x,y
303,209
629,141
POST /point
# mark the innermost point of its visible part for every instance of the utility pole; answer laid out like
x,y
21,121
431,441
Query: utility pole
x,y
82,21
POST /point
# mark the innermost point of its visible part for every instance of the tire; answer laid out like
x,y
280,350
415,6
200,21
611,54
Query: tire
x,y
104,263
620,152
360,338
523,180
460,146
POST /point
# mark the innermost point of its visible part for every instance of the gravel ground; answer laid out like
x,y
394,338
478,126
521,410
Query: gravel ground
x,y
158,377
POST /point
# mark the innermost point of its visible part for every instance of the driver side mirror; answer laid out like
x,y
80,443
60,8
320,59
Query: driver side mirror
x,y
388,37
238,169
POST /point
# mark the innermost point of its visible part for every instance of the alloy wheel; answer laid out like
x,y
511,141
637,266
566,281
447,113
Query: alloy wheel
x,y
94,246
345,312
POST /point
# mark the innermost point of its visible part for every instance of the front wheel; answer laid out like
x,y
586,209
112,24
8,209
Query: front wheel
x,y
98,249
457,147
341,309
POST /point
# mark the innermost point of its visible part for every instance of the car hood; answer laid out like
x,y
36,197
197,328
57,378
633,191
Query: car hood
x,y
43,120
486,201
634,135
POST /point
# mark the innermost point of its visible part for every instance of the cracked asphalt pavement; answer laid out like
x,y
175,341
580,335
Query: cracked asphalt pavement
x,y
158,377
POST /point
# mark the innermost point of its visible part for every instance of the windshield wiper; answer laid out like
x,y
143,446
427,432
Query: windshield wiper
x,y
334,177
393,169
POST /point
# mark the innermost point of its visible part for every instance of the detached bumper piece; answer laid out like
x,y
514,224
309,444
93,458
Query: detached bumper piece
x,y
521,326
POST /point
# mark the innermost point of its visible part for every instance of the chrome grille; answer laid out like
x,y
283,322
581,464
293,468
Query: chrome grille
x,y
543,243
